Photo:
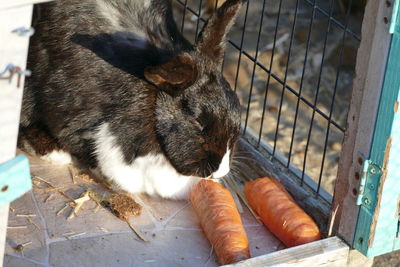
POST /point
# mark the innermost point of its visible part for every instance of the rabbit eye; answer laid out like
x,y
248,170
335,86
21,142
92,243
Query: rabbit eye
x,y
185,107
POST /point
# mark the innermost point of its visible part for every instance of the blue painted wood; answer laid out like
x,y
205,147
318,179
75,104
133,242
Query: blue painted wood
x,y
394,168
379,214
15,179
395,21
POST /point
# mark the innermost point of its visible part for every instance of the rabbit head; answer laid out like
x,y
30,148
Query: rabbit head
x,y
197,113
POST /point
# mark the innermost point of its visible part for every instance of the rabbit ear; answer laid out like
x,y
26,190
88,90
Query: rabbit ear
x,y
174,75
212,38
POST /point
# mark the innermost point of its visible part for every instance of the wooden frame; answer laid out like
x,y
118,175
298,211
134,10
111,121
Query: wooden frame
x,y
331,250
13,50
370,71
378,225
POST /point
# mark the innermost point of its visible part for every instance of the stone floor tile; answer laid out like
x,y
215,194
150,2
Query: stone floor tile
x,y
165,248
248,218
33,160
185,218
34,235
261,241
162,209
57,175
15,261
172,228
86,221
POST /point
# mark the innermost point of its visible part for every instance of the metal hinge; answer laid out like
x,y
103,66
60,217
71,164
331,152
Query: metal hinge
x,y
394,21
367,184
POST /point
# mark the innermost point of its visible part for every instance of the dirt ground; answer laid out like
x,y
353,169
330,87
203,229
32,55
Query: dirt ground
x,y
388,260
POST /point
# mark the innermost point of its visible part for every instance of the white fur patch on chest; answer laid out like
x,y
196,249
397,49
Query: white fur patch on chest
x,y
151,174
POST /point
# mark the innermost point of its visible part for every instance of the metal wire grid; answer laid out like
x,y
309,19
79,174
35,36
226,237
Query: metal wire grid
x,y
195,14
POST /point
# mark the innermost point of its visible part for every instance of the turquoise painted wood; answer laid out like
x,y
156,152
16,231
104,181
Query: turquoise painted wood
x,y
377,230
395,169
395,25
15,179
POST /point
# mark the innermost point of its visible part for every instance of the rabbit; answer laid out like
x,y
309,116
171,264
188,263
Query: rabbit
x,y
116,86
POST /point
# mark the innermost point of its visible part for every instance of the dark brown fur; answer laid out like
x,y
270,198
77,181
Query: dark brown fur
x,y
125,64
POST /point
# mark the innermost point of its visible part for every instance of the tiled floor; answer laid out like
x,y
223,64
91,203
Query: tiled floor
x,y
100,239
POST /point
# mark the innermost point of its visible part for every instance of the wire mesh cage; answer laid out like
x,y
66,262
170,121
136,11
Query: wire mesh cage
x,y
291,63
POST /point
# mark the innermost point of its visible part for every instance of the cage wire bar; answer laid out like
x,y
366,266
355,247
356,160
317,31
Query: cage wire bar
x,y
195,12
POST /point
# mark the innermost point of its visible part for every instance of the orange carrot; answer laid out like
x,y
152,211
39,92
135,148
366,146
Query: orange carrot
x,y
220,221
280,213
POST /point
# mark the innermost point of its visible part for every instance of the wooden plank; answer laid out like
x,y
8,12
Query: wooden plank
x,y
327,252
253,164
370,69
13,50
18,3
356,259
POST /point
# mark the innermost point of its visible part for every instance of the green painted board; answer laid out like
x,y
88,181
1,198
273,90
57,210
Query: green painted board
x,y
15,179
378,221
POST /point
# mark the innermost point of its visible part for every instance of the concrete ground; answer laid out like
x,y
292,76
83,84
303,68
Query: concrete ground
x,y
40,235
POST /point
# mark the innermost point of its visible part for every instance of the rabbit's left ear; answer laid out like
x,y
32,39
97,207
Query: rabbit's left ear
x,y
212,38
174,75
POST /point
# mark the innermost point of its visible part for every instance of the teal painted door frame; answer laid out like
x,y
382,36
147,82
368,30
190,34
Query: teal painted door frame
x,y
15,179
378,225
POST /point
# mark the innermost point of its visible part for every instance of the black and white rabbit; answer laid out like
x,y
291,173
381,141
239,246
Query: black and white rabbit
x,y
118,87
